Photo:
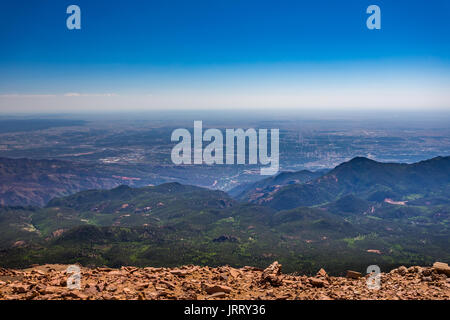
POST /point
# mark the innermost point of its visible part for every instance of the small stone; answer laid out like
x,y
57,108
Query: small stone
x,y
235,273
141,296
31,295
353,274
168,284
77,295
217,295
211,289
322,273
19,288
426,272
223,277
402,270
318,283
179,273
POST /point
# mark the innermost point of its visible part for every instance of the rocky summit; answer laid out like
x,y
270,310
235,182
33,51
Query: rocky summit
x,y
50,282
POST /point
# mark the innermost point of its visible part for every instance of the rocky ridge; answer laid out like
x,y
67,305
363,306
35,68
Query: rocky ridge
x,y
49,282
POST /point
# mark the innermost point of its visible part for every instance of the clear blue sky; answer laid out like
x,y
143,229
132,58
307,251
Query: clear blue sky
x,y
152,54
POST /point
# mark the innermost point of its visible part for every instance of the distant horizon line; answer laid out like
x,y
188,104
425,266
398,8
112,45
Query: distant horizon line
x,y
235,110
431,116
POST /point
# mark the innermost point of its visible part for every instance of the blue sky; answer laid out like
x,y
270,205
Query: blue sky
x,y
224,54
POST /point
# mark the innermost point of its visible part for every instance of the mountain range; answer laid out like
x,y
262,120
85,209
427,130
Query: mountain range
x,y
360,213
367,179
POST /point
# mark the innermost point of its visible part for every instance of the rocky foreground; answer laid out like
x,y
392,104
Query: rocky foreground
x,y
194,282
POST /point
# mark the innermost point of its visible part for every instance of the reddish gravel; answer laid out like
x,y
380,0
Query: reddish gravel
x,y
194,282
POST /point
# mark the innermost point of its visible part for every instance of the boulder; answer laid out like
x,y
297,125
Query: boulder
x,y
322,273
272,274
442,268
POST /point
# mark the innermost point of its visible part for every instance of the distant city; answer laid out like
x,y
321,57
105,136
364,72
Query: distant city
x,y
141,149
